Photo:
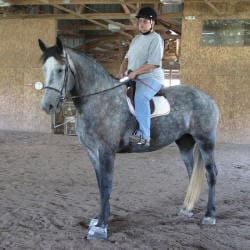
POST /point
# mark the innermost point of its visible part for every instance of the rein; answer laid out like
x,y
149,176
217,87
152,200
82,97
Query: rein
x,y
64,87
99,92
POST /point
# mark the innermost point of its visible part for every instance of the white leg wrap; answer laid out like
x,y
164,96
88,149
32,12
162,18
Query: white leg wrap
x,y
209,221
96,232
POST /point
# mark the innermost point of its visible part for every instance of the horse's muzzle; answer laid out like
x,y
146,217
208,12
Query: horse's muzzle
x,y
50,108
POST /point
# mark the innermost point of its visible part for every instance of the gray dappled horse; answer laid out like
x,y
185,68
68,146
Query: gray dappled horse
x,y
104,123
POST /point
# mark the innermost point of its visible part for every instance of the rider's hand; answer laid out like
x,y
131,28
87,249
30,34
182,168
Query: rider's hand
x,y
132,75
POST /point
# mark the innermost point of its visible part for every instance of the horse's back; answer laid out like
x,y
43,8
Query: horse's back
x,y
191,112
193,97
187,98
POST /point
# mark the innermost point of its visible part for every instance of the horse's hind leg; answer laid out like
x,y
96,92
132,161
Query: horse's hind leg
x,y
207,151
186,144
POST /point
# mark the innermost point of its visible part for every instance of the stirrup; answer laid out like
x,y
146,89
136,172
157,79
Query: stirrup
x,y
138,139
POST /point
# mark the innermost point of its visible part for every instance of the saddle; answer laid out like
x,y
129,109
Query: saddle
x,y
159,105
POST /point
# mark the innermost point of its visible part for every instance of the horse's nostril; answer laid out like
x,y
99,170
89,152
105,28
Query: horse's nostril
x,y
50,107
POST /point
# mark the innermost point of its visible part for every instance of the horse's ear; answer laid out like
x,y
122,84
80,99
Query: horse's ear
x,y
59,44
42,45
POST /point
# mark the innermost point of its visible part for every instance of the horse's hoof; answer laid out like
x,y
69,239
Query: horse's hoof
x,y
186,212
97,233
209,221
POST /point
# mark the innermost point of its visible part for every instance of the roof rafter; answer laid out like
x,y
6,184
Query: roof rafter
x,y
210,4
119,18
90,20
72,2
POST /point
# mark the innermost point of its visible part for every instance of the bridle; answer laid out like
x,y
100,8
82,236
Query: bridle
x,y
62,91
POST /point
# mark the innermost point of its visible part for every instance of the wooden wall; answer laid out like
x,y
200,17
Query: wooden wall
x,y
223,72
19,68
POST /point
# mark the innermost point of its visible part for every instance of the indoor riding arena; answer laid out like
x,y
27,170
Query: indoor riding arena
x,y
48,187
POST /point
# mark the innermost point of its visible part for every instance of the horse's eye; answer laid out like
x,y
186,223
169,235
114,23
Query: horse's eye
x,y
59,71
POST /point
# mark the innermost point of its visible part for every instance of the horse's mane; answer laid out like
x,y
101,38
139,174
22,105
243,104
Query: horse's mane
x,y
99,69
56,53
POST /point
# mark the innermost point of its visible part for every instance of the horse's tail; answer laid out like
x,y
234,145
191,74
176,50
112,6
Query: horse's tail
x,y
196,181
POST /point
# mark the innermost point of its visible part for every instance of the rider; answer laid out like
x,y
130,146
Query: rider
x,y
143,63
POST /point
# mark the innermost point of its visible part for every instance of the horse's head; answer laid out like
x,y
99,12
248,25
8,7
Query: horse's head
x,y
55,70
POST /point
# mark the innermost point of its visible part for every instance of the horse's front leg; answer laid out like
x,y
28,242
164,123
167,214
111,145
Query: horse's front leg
x,y
103,163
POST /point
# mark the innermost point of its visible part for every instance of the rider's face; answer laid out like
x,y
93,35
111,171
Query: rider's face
x,y
145,24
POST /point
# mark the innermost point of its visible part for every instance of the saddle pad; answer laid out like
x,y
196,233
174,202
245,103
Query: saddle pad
x,y
161,104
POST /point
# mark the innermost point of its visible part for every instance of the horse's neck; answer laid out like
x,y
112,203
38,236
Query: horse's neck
x,y
90,80
91,76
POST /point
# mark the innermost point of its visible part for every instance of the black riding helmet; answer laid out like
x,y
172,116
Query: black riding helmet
x,y
148,13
